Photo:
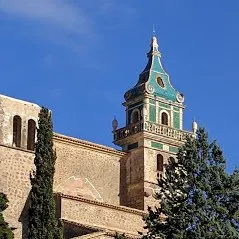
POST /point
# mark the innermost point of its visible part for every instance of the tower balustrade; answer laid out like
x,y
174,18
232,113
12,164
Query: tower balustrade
x,y
148,126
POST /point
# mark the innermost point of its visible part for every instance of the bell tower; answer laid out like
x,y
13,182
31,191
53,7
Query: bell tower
x,y
152,134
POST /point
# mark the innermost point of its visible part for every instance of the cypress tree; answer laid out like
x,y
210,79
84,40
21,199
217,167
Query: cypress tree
x,y
43,223
5,230
198,199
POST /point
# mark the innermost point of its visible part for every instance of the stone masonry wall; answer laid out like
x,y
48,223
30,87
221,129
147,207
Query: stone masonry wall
x,y
15,168
98,235
10,107
101,215
15,163
134,178
101,170
86,169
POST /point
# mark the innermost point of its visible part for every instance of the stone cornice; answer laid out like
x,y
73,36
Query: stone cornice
x,y
17,148
133,100
102,204
23,102
163,139
106,231
162,100
97,234
86,144
77,142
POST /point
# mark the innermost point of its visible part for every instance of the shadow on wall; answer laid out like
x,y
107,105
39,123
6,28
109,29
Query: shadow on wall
x,y
72,230
24,214
24,218
123,185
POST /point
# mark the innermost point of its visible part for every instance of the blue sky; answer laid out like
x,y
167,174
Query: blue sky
x,y
79,57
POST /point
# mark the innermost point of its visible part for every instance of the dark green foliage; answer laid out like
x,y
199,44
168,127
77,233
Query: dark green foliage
x,y
5,230
119,236
43,223
198,198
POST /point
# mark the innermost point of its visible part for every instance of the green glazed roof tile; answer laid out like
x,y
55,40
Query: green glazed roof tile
x,y
148,78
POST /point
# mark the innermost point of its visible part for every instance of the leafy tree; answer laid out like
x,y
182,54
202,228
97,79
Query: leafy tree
x,y
43,223
198,198
5,230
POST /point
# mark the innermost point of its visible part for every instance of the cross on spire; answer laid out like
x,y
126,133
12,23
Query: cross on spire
x,y
154,31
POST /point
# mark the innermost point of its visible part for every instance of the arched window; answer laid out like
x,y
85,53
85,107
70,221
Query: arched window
x,y
31,134
164,118
134,117
160,163
17,131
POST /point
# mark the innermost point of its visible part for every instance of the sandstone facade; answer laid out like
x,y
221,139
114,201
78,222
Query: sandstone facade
x,y
84,170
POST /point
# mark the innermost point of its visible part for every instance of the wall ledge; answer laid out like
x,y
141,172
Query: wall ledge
x,y
86,144
106,231
102,204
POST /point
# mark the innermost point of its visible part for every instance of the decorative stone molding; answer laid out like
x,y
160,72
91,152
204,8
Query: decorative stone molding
x,y
86,144
78,142
17,148
154,128
107,232
162,100
120,208
168,115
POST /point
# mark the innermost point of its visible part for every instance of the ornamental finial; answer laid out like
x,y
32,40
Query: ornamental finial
x,y
194,126
114,124
154,43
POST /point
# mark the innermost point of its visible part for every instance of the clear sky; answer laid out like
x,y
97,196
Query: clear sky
x,y
79,57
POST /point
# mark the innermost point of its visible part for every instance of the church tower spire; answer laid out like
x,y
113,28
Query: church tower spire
x,y
153,79
153,131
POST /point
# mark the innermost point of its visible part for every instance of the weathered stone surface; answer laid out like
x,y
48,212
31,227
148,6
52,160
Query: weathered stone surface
x,y
95,167
99,235
73,160
9,107
15,168
101,215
